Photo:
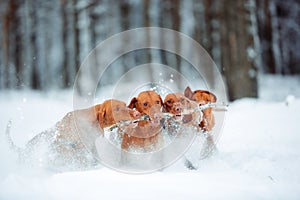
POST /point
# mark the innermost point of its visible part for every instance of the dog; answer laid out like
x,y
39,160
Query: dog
x,y
184,121
114,111
181,108
70,143
203,97
146,135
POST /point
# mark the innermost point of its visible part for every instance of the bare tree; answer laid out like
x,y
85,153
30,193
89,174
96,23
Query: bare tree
x,y
12,45
65,64
76,32
43,44
236,42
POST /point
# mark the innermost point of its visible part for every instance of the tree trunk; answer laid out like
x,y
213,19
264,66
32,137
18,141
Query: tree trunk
x,y
207,42
146,23
265,34
5,45
236,41
65,65
76,35
36,82
175,13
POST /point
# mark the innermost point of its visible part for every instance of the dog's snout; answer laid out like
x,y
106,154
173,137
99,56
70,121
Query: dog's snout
x,y
135,114
178,109
201,103
157,116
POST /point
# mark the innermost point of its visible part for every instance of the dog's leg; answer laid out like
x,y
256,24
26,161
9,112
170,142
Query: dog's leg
x,y
124,159
209,145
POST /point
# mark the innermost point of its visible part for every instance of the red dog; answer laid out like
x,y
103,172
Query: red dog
x,y
146,135
63,146
203,97
181,107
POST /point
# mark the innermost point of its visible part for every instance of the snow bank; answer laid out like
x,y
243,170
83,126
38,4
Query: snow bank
x,y
258,155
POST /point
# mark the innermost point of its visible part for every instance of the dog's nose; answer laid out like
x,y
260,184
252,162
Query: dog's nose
x,y
157,116
201,103
178,109
135,114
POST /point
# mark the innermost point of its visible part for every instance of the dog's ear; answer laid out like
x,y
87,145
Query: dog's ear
x,y
161,101
165,107
188,92
101,113
213,98
132,103
97,108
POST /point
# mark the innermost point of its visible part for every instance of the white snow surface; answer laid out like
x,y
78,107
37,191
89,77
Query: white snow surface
x,y
257,157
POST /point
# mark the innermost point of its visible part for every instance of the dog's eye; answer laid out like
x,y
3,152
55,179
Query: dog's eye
x,y
157,102
145,104
169,101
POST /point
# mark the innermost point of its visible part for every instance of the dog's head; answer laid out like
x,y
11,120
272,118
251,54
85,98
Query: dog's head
x,y
149,103
178,104
172,104
113,111
202,97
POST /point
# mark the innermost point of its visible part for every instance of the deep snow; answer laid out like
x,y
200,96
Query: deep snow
x,y
258,154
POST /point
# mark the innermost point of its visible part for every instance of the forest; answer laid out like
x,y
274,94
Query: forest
x,y
43,43
47,131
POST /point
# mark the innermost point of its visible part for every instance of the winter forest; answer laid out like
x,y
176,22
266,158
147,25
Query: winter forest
x,y
241,141
43,43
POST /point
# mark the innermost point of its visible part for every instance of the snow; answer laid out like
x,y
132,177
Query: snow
x,y
257,157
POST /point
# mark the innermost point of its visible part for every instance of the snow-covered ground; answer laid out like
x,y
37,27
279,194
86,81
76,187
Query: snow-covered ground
x,y
258,153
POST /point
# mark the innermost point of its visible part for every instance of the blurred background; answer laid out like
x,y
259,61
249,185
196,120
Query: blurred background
x,y
43,42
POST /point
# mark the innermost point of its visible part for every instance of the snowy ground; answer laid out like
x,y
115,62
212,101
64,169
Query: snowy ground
x,y
258,154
